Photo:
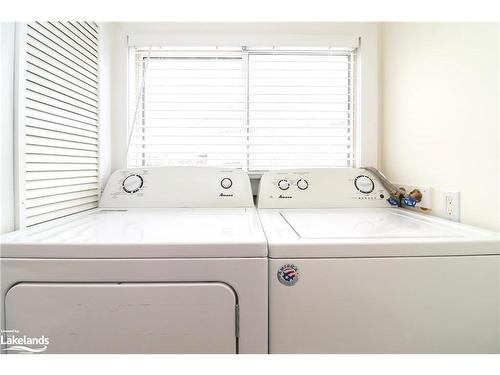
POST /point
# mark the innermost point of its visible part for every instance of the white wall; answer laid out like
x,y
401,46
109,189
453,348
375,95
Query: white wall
x,y
7,37
498,121
498,118
440,117
367,101
439,103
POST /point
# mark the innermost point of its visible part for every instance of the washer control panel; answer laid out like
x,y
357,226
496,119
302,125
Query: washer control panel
x,y
177,187
321,188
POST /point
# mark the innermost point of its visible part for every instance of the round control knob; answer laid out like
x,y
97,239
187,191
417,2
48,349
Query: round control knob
x,y
226,183
302,184
132,183
364,184
283,184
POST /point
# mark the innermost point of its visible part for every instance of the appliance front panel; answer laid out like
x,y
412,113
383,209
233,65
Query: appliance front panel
x,y
125,317
385,305
247,276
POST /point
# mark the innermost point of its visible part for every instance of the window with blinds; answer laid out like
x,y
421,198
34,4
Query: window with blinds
x,y
251,108
59,128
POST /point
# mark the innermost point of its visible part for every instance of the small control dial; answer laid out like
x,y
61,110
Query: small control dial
x,y
302,184
226,183
283,184
132,183
364,184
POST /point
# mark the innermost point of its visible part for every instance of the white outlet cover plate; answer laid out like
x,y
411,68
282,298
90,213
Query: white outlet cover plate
x,y
455,213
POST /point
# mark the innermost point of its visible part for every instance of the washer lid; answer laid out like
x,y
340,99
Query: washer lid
x,y
143,233
371,232
382,223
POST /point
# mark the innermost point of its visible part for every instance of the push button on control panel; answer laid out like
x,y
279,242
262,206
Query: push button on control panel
x,y
302,184
226,183
283,184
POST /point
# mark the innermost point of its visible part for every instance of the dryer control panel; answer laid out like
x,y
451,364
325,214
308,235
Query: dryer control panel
x,y
188,187
321,188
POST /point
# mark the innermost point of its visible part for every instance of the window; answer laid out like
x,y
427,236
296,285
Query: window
x,y
58,128
255,109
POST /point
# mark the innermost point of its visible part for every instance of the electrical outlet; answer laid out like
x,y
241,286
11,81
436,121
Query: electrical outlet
x,y
452,205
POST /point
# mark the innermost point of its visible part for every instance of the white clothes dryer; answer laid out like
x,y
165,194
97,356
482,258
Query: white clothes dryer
x,y
174,260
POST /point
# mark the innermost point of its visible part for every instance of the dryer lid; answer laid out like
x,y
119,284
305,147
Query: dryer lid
x,y
143,233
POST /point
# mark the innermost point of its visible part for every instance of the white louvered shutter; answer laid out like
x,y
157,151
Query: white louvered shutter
x,y
251,108
61,128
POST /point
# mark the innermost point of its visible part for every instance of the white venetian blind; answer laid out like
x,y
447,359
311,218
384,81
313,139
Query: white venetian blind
x,y
300,109
250,108
61,132
192,107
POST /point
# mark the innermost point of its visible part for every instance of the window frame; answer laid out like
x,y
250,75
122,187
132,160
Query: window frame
x,y
365,36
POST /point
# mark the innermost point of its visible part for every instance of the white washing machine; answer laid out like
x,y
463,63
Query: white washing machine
x,y
173,261
350,274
